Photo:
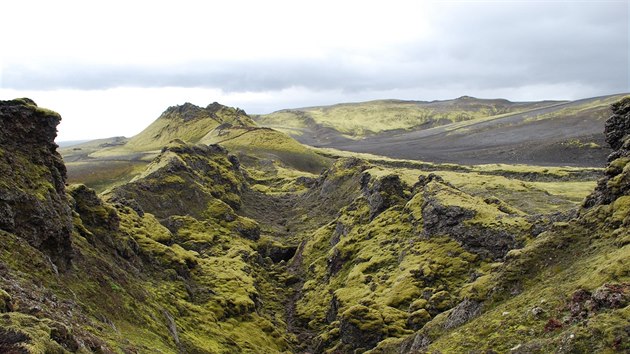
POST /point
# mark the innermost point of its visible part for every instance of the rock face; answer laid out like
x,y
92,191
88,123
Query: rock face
x,y
198,181
33,202
383,193
616,181
184,180
189,111
479,225
618,125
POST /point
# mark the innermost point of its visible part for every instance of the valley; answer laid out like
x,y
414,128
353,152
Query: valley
x,y
466,225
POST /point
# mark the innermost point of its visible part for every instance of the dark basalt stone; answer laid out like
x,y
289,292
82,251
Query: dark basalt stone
x,y
33,203
615,182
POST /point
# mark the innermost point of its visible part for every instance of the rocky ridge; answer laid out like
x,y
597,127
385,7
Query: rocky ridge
x,y
33,203
356,259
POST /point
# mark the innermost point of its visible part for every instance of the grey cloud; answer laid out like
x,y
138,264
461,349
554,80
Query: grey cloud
x,y
482,45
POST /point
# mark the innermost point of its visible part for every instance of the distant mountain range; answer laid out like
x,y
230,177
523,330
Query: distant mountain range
x,y
465,130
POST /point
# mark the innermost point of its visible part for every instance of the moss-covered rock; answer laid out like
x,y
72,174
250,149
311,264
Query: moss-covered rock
x,y
615,183
418,318
185,180
565,291
6,302
361,327
480,225
92,210
20,333
33,201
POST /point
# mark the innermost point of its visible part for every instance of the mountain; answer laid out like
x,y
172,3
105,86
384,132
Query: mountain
x,y
214,250
359,120
188,123
465,130
104,163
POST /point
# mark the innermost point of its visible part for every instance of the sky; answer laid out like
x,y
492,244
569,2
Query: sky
x,y
111,67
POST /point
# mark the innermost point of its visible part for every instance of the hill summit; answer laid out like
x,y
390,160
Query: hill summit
x,y
189,123
209,250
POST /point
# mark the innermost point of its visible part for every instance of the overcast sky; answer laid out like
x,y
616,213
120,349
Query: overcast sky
x,y
111,67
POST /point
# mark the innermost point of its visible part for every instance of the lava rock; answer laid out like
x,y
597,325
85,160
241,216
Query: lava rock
x,y
33,203
616,181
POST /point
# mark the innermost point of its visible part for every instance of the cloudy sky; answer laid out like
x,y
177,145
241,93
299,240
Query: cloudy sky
x,y
111,67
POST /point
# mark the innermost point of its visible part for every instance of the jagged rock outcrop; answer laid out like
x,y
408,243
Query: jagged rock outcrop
x,y
583,259
91,209
190,180
184,180
618,126
383,192
482,226
616,181
33,203
215,110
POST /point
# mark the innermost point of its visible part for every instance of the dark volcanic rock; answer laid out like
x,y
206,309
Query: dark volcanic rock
x,y
361,327
93,212
618,125
33,202
383,193
184,180
442,218
616,181
463,312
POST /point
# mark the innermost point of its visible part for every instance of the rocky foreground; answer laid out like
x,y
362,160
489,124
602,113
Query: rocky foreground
x,y
190,257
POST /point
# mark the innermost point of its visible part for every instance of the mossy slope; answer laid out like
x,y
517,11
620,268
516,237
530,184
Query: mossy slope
x,y
204,252
267,144
187,122
366,118
135,285
395,255
566,291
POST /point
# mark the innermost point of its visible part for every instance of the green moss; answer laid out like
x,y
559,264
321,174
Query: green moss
x,y
549,270
366,118
418,318
364,318
485,214
270,145
440,301
6,303
33,335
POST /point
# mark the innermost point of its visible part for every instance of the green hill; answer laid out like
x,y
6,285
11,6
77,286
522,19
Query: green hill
x,y
357,120
463,131
212,250
188,123
105,163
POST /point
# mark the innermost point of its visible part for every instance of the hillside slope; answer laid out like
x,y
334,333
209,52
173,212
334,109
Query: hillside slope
x,y
359,120
188,123
201,254
543,133
568,291
104,163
